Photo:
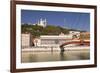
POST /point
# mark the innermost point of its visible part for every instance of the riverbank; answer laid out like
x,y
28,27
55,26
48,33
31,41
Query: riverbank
x,y
51,49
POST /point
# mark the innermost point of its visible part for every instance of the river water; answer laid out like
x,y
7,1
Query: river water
x,y
28,57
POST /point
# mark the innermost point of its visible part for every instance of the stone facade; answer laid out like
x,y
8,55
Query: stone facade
x,y
26,40
47,40
52,40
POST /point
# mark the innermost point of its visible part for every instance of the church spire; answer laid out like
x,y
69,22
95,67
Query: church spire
x,y
42,22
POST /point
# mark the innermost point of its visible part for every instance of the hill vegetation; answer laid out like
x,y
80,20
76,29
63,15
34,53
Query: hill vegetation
x,y
36,30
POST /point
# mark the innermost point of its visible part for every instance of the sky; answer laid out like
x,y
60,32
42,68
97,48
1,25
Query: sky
x,y
72,20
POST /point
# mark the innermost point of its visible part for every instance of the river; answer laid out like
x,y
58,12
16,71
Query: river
x,y
28,57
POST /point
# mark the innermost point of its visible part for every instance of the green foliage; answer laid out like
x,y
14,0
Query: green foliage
x,y
36,30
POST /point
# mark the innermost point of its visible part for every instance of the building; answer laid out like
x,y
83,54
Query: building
x,y
85,35
47,40
52,40
75,34
26,40
36,41
41,22
56,40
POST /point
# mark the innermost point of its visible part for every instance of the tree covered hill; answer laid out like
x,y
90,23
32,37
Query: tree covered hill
x,y
36,30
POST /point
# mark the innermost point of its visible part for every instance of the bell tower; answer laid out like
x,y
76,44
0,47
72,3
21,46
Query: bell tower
x,y
42,22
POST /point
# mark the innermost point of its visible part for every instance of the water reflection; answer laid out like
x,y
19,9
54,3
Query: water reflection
x,y
54,56
62,55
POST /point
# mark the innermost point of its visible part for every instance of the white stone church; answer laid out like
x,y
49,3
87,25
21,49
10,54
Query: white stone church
x,y
41,22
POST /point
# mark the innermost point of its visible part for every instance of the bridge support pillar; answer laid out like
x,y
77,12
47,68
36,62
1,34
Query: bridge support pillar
x,y
62,49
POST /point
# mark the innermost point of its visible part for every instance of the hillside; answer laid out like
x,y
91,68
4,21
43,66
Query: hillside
x,y
48,30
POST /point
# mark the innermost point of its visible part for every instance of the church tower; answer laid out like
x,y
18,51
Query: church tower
x,y
42,22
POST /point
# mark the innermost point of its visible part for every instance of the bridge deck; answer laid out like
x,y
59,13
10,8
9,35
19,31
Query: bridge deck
x,y
79,42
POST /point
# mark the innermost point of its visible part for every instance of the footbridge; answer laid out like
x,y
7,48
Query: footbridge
x,y
76,42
